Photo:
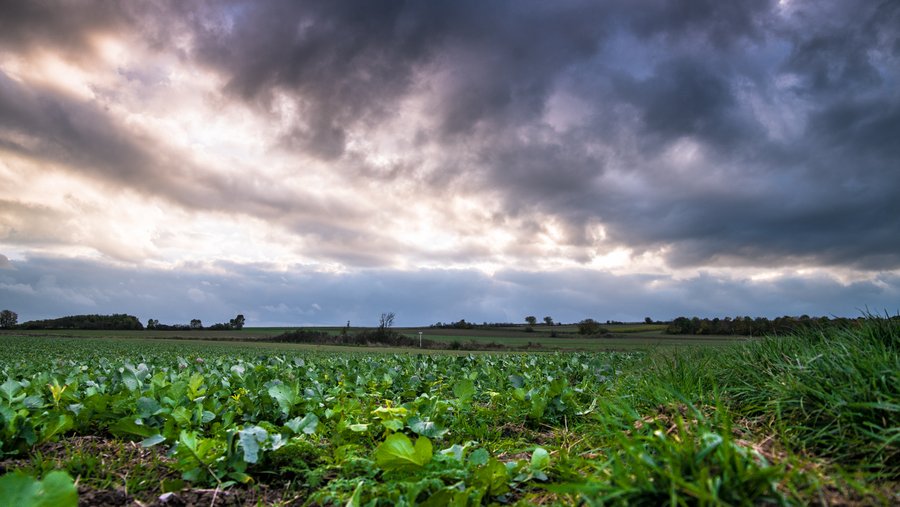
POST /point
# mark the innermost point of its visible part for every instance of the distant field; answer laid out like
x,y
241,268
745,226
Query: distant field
x,y
623,336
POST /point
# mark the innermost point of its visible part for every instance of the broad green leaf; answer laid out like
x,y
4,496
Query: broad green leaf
x,y
182,416
493,476
241,477
55,425
33,401
464,389
250,439
188,439
195,388
151,441
147,407
540,459
130,427
479,457
538,406
397,452
56,490
10,388
359,428
426,428
449,497
517,381
131,382
18,489
519,394
285,396
456,451
306,425
393,424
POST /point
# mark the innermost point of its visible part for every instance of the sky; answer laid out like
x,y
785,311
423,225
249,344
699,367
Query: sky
x,y
314,162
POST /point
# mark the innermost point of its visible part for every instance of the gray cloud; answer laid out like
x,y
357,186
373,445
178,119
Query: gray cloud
x,y
25,26
47,287
791,115
818,193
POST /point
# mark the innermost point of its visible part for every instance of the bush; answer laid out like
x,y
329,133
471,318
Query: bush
x,y
590,327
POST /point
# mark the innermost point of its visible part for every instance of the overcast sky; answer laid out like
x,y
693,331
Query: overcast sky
x,y
312,162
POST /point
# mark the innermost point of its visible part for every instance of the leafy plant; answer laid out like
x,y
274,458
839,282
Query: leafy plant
x,y
56,490
397,452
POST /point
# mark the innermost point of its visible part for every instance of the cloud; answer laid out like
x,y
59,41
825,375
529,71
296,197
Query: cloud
x,y
50,287
5,263
28,26
708,135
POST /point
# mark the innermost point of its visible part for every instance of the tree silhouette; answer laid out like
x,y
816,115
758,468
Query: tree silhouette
x,y
8,319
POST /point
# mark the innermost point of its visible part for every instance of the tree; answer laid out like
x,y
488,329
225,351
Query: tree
x,y
152,323
385,322
548,320
648,320
196,324
237,322
531,320
8,319
589,326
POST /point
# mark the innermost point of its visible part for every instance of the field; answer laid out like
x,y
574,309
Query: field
x,y
621,337
147,419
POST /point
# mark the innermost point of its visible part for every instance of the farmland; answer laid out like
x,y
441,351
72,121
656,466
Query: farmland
x,y
563,338
140,416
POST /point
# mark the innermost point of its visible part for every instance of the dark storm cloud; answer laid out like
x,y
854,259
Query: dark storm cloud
x,y
688,97
350,62
819,194
345,59
793,111
46,287
719,23
834,52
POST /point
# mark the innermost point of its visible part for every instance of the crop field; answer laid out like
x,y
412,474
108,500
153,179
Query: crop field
x,y
621,337
106,420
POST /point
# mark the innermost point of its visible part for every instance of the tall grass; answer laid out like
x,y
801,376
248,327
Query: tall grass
x,y
830,393
834,393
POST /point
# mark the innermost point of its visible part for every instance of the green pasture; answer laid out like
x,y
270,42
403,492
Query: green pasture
x,y
621,337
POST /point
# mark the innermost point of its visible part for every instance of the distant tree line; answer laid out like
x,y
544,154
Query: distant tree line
x,y
366,337
746,326
115,322
462,324
236,323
